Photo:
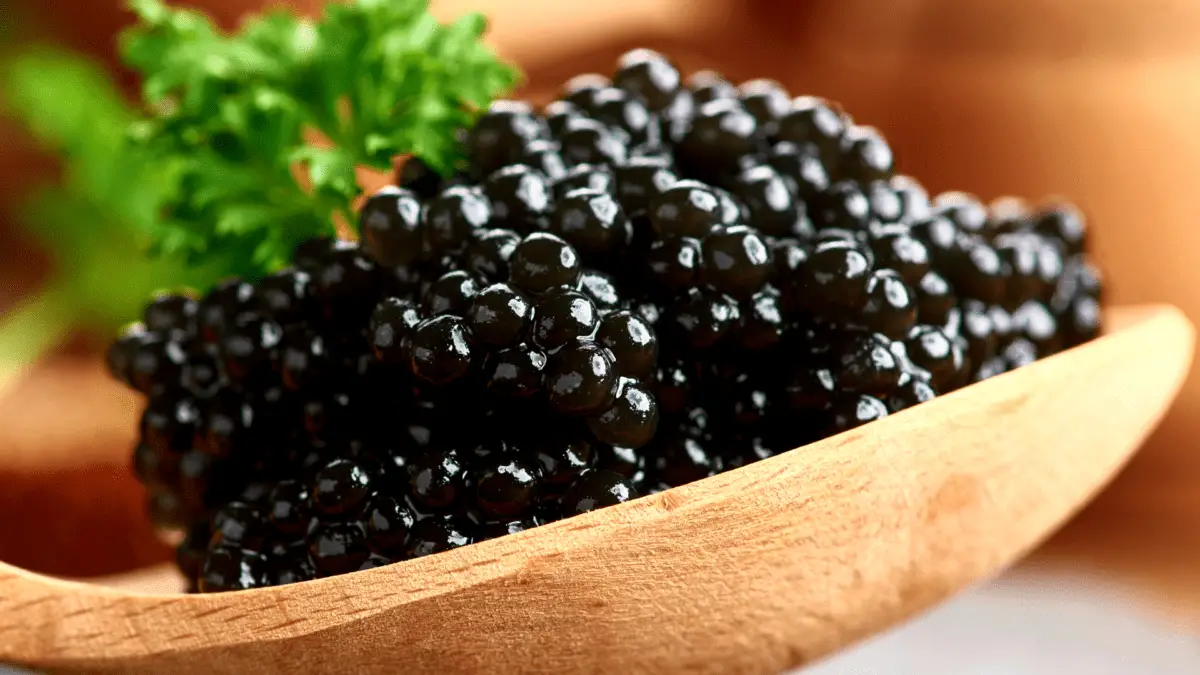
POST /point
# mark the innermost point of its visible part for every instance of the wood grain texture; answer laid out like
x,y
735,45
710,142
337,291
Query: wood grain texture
x,y
752,571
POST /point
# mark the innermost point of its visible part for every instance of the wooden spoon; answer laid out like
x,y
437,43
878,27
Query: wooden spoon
x,y
753,571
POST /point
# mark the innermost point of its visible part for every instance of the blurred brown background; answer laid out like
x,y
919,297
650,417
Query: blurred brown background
x,y
1095,101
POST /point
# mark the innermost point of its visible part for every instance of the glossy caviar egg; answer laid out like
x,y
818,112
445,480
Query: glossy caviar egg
x,y
766,100
801,167
703,318
762,321
640,181
488,253
674,263
935,299
903,253
502,528
417,176
520,198
813,121
542,261
437,480
886,206
687,209
392,324
247,347
773,210
346,285
121,353
221,306
499,315
441,349
562,457
592,221
507,488
623,111
169,423
284,296
562,316
854,410
837,275
452,218
632,341
587,141
733,212
964,210
597,489
387,524
580,91
866,156
226,422
1008,215
545,157
231,569
340,487
843,205
679,460
631,420
867,365
235,524
931,349
735,260
390,224
707,85
979,330
979,272
516,371
338,547
585,177
910,393
498,136
601,289
1021,253
721,136
437,534
649,76
1063,223
580,378
288,511
155,467
452,293
171,313
1035,322
891,307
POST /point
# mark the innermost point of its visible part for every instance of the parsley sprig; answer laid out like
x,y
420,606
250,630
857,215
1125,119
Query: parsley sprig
x,y
373,79
244,144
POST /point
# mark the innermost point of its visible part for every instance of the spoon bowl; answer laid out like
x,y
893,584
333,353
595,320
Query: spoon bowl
x,y
756,570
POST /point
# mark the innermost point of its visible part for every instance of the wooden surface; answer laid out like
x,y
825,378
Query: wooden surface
x,y
752,571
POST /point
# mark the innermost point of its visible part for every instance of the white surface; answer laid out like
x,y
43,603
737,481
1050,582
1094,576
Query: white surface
x,y
1042,625
1021,626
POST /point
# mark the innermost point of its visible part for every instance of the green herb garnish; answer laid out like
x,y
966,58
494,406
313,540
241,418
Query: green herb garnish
x,y
373,78
249,143
94,221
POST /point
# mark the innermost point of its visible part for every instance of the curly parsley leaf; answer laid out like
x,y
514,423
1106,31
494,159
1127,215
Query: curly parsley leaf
x,y
238,113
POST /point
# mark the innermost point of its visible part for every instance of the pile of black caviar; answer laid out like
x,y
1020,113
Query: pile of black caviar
x,y
646,283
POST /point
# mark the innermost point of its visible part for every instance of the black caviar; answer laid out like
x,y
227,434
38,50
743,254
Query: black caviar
x,y
654,279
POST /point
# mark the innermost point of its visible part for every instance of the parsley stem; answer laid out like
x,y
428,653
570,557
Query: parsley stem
x,y
36,326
